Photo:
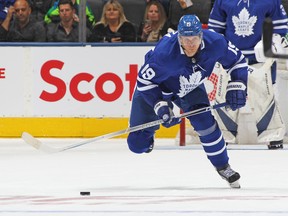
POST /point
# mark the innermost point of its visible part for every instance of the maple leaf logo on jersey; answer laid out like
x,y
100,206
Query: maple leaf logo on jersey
x,y
187,85
244,23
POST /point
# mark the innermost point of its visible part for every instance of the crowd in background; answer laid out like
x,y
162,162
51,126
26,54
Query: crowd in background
x,y
58,21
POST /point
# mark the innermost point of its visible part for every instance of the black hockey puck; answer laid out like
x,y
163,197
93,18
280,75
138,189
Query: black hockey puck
x,y
85,193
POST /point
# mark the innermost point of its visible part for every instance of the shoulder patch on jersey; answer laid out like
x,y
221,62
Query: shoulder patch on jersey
x,y
244,24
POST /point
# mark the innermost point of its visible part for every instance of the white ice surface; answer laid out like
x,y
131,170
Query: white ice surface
x,y
169,181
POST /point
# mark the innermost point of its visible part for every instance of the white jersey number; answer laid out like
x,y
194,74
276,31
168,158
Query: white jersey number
x,y
147,73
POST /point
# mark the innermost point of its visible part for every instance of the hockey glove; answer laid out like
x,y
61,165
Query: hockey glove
x,y
236,94
165,112
279,45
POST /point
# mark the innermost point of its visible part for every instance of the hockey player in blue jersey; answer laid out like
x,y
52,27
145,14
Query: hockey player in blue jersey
x,y
174,71
241,22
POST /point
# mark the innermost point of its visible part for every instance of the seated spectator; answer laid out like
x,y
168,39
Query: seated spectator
x,y
21,28
165,4
67,30
113,25
178,8
185,3
53,14
154,26
40,8
4,5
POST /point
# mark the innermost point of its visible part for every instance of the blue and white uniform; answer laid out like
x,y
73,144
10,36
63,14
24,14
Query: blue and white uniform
x,y
168,74
241,21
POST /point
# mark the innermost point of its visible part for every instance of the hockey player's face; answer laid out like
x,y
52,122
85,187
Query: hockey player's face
x,y
190,44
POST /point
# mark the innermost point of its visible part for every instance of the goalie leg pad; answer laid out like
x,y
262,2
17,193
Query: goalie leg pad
x,y
271,126
273,72
228,121
262,125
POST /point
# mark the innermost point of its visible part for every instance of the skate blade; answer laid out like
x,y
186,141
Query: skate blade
x,y
235,184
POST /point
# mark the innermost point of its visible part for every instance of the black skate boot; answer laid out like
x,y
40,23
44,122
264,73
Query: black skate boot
x,y
230,176
150,148
275,145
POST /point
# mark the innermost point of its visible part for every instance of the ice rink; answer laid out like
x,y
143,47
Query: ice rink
x,y
171,180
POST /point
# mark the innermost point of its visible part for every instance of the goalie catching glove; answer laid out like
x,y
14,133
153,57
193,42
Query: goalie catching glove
x,y
165,112
236,94
278,46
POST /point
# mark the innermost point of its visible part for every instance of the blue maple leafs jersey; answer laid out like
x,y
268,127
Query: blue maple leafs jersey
x,y
241,21
168,71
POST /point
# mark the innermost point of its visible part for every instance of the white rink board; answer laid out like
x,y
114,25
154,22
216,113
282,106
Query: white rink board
x,y
79,81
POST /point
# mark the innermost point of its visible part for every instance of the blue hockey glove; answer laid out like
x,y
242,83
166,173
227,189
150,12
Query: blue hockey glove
x,y
165,112
236,94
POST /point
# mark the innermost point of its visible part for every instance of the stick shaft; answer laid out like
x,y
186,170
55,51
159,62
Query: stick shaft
x,y
145,125
29,139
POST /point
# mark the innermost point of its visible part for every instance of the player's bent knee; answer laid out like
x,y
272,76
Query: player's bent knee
x,y
202,121
140,141
210,134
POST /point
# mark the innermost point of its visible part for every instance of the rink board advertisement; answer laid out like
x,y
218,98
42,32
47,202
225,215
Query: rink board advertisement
x,y
69,81
78,86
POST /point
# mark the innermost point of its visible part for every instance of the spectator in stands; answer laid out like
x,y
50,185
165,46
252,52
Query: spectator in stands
x,y
53,14
21,28
178,8
113,25
154,26
165,4
4,5
67,30
40,8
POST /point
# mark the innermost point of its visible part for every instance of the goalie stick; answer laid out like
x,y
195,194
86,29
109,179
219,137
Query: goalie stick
x,y
29,139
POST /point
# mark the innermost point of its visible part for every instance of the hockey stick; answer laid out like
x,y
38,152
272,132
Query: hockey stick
x,y
29,139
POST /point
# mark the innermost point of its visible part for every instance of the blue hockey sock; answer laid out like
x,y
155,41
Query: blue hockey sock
x,y
214,146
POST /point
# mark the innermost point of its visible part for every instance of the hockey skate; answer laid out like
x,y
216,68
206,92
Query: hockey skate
x,y
275,145
150,148
230,176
